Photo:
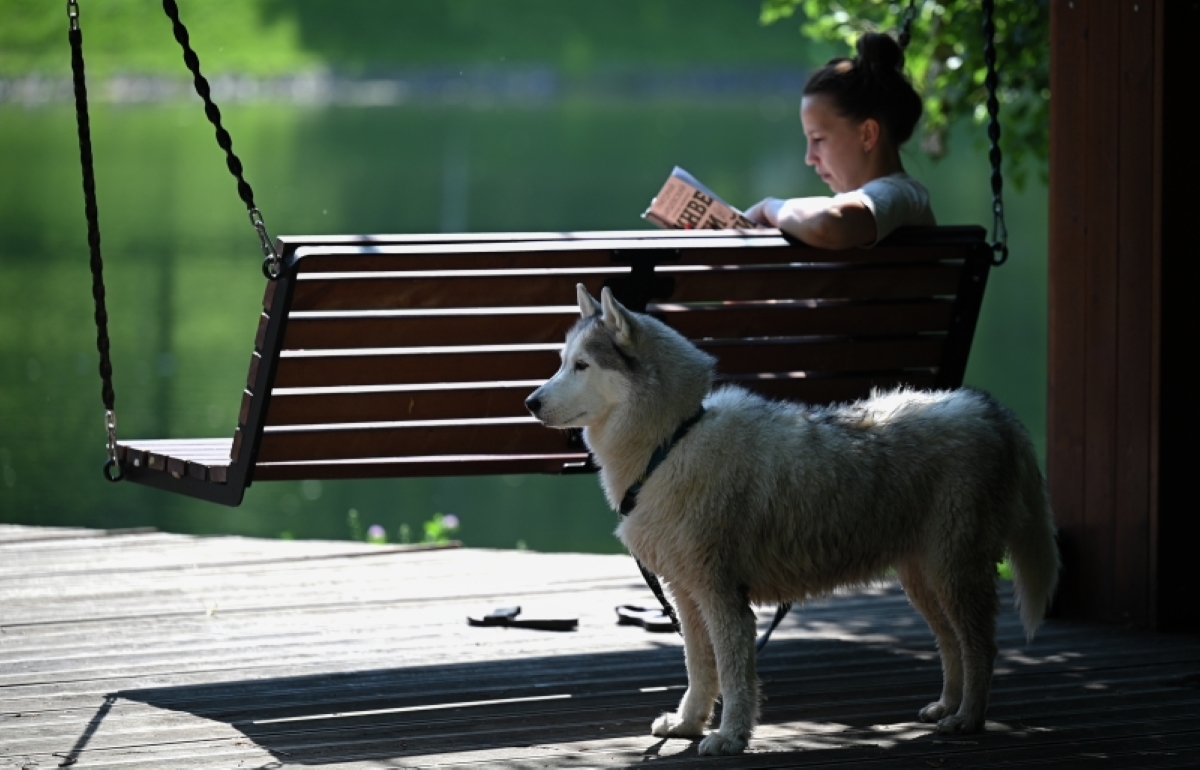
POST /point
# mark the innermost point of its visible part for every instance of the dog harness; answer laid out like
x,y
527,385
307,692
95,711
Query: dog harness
x,y
629,502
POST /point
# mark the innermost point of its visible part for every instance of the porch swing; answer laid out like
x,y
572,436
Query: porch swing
x,y
369,352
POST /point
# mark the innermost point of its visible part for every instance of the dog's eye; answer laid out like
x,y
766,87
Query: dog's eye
x,y
580,366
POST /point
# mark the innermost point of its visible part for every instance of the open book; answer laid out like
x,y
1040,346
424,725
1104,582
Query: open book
x,y
684,203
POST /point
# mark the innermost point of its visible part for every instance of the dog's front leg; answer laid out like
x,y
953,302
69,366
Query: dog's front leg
x,y
731,626
696,708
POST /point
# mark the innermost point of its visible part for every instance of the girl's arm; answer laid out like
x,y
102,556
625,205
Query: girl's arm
x,y
826,223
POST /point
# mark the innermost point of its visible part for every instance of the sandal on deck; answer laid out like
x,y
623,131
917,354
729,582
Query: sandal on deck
x,y
507,617
655,620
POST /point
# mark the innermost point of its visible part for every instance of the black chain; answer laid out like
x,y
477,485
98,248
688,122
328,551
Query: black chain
x,y
112,468
906,23
272,266
999,228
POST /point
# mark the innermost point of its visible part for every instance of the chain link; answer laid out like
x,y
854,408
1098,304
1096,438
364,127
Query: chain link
x,y
272,265
110,429
991,81
910,13
112,468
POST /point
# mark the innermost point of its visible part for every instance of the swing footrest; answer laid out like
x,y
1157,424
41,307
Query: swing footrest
x,y
200,459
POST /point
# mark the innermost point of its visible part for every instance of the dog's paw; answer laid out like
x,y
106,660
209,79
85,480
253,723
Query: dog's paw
x,y
934,712
721,744
670,725
959,724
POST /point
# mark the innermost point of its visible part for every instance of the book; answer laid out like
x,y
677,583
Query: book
x,y
684,203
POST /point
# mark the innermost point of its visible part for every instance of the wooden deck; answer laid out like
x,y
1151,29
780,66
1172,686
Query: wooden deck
x,y
152,650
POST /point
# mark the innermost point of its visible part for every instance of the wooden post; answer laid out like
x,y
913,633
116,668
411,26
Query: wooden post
x,y
1123,176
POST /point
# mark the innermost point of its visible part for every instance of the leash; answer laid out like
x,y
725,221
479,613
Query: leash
x,y
629,502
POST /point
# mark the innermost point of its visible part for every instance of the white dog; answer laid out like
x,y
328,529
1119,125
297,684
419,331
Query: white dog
x,y
765,501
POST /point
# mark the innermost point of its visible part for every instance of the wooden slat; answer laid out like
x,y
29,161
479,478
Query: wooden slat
x,y
550,324
730,284
829,390
302,369
799,253
825,355
500,288
420,328
1136,377
800,319
434,365
308,406
447,288
470,257
499,436
1066,380
1100,280
187,449
440,465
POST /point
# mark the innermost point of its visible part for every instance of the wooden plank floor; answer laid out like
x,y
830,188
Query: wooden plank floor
x,y
149,650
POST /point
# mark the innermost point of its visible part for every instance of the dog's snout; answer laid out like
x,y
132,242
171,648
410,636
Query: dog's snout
x,y
533,404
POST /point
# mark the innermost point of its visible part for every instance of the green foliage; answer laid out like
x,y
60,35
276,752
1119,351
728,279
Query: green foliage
x,y
279,37
1004,569
355,525
440,528
945,61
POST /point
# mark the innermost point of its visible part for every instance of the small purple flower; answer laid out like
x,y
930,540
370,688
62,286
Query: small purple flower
x,y
450,521
376,534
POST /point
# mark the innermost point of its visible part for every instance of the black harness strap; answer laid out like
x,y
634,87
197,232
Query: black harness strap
x,y
630,499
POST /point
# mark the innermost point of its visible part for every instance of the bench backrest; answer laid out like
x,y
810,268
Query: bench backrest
x,y
415,358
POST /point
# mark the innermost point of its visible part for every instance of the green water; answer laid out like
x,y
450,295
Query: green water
x,y
184,285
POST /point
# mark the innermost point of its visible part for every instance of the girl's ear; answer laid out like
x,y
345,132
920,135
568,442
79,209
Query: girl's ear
x,y
869,131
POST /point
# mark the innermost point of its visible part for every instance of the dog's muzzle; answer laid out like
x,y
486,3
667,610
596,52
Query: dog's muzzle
x,y
534,405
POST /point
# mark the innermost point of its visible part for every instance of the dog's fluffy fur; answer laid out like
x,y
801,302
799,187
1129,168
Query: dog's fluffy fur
x,y
767,501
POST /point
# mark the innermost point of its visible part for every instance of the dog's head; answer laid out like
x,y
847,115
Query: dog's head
x,y
617,359
596,366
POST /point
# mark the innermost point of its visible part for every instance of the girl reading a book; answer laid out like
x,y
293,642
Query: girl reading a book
x,y
856,114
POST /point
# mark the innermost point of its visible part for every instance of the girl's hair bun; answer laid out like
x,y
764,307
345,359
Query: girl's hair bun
x,y
879,52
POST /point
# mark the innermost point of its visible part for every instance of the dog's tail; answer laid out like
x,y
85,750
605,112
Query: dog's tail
x,y
1032,548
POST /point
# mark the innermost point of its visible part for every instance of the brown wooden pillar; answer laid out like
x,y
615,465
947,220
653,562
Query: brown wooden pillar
x,y
1123,308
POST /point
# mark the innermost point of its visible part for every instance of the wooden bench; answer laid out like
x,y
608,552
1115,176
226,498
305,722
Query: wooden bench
x,y
412,355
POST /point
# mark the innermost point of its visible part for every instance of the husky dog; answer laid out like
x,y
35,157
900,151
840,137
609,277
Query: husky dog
x,y
766,501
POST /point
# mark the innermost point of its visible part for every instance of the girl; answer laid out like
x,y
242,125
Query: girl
x,y
856,114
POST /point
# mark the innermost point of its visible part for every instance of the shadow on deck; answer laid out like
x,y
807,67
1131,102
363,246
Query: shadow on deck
x,y
154,650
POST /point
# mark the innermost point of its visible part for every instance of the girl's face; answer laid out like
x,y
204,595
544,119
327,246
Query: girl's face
x,y
838,148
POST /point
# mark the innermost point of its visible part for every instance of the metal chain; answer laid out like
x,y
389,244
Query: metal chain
x,y
991,81
906,23
112,468
272,264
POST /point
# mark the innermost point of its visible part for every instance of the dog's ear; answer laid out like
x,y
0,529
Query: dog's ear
x,y
616,317
588,306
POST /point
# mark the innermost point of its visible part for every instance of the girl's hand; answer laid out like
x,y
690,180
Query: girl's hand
x,y
765,212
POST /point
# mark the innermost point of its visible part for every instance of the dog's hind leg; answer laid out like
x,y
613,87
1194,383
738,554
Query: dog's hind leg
x,y
970,601
731,626
696,708
923,598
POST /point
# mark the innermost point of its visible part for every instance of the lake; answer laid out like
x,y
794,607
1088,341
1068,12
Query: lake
x,y
184,286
